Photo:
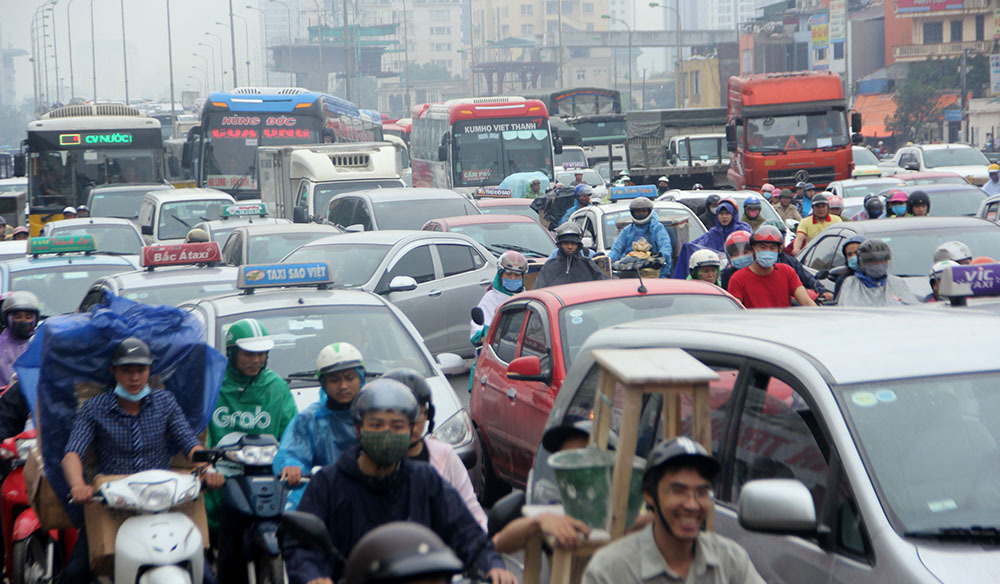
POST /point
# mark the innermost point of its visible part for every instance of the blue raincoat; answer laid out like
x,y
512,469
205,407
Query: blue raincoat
x,y
714,239
654,232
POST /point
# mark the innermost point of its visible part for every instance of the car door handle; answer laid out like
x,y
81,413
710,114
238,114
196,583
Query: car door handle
x,y
482,380
485,282
512,394
434,293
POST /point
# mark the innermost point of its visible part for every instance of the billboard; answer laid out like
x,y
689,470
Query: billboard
x,y
838,21
927,5
819,25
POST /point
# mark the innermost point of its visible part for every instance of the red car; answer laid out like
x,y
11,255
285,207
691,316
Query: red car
x,y
507,207
531,343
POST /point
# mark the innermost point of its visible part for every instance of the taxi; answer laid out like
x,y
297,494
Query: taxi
x,y
58,270
238,215
166,216
262,244
170,275
535,337
301,311
111,234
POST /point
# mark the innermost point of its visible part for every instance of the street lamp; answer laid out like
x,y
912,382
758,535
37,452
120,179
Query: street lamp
x,y
222,67
93,50
205,72
267,70
246,38
609,17
124,52
288,10
69,46
55,45
678,86
212,62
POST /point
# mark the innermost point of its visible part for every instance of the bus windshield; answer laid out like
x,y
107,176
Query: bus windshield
x,y
797,132
486,151
64,176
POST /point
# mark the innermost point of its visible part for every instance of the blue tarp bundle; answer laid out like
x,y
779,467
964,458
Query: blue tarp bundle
x,y
78,348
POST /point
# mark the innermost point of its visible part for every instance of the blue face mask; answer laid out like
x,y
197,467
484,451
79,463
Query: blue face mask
x,y
899,209
124,394
852,262
766,259
740,262
512,285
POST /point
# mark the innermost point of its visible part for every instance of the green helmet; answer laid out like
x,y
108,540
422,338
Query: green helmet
x,y
248,334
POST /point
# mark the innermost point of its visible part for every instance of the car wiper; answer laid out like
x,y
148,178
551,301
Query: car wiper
x,y
301,375
507,246
972,532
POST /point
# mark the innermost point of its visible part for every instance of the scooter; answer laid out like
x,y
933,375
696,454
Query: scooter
x,y
156,545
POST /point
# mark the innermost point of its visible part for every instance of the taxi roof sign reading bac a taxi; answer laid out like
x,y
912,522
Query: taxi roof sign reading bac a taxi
x,y
61,244
245,210
280,275
183,254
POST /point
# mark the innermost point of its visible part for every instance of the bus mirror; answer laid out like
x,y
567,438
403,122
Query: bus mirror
x,y
557,145
147,230
856,122
443,148
194,132
186,155
19,166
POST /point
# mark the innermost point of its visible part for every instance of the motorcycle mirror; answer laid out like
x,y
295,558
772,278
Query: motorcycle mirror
x,y
309,530
506,510
478,317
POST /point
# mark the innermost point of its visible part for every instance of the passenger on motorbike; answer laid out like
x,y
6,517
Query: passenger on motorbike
x,y
738,253
918,204
898,203
19,317
581,198
752,206
810,227
645,224
509,280
570,263
850,250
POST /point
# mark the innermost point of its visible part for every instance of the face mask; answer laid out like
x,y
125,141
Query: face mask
x,y
766,259
877,270
740,262
852,262
22,329
752,213
123,393
899,209
512,285
386,447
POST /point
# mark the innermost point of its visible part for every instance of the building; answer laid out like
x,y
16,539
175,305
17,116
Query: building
x,y
727,14
430,32
700,81
938,29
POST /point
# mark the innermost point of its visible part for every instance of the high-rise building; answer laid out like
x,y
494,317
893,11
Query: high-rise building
x,y
430,31
726,14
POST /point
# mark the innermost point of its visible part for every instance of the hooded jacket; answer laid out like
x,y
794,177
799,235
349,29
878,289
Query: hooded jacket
x,y
568,269
495,295
655,233
351,504
11,348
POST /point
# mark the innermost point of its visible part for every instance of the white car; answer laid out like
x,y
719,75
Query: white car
x,y
860,187
959,158
865,163
590,177
166,216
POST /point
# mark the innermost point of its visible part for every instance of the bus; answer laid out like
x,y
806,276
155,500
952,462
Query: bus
x,y
73,148
234,124
471,143
581,101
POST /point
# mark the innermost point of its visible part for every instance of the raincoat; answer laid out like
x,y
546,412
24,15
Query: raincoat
x,y
714,239
576,207
862,290
519,184
655,233
11,348
568,269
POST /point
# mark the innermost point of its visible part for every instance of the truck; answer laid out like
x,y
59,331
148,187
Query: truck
x,y
297,182
685,145
785,128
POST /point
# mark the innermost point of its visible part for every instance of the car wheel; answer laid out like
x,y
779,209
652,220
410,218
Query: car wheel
x,y
492,487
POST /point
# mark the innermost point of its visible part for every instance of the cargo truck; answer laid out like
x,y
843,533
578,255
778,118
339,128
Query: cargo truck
x,y
685,145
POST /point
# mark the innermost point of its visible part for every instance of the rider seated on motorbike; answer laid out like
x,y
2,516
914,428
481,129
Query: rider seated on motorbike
x,y
872,284
704,265
751,212
645,224
374,483
810,227
581,198
19,317
767,283
509,280
738,253
570,263
935,279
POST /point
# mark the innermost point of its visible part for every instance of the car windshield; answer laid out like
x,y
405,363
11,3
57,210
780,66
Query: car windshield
x,y
413,213
955,202
866,188
579,321
351,264
60,289
913,251
703,148
954,157
930,180
522,210
797,131
300,333
323,192
270,248
177,294
930,445
864,156
176,219
122,204
615,222
571,155
590,177
117,239
498,237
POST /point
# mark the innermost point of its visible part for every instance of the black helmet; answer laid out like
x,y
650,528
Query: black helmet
x,y
874,206
712,199
384,395
571,427
418,386
821,199
18,301
400,551
570,232
132,351
639,204
679,451
918,198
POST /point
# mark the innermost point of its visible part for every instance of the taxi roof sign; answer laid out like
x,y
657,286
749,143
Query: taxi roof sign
x,y
281,275
632,192
960,282
495,193
183,254
61,244
244,210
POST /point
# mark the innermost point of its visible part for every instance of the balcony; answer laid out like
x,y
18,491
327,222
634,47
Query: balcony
x,y
968,7
921,52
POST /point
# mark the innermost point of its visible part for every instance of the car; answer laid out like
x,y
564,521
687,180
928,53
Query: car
x,y
601,224
120,200
571,156
928,178
500,233
887,462
959,158
59,271
268,243
11,249
396,208
112,235
860,187
508,207
948,200
238,215
912,239
169,276
532,342
165,217
17,184
434,278
990,209
865,163
304,315
590,177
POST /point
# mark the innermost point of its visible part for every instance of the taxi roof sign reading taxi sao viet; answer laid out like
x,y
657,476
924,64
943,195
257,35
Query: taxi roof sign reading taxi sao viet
x,y
183,254
960,282
61,244
280,275
245,210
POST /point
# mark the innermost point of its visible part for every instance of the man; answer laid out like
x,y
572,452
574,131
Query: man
x,y
874,207
805,199
69,213
374,483
850,250
19,317
82,211
955,251
992,186
645,224
751,212
534,189
918,204
581,199
786,210
814,224
767,283
677,487
707,214
570,263
704,266
872,284
662,185
935,279
577,178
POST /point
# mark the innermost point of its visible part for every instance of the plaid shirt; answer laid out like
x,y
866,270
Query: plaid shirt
x,y
128,444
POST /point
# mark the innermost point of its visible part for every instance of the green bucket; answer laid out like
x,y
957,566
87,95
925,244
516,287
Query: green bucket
x,y
584,479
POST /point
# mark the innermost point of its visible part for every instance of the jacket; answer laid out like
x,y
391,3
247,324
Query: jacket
x,y
714,239
576,207
495,295
568,269
11,348
655,233
792,212
451,468
889,291
351,504
808,280
14,411
753,223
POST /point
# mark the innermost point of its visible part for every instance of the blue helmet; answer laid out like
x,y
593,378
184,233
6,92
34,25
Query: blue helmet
x,y
751,201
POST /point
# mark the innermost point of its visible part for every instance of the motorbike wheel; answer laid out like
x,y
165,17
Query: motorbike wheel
x,y
30,560
269,570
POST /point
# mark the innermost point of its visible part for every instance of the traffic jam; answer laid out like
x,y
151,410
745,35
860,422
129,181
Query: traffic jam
x,y
289,339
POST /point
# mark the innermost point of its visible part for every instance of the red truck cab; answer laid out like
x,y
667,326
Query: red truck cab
x,y
784,128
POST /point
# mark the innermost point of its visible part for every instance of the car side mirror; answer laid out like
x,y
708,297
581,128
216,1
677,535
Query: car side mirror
x,y
401,283
527,368
450,363
478,316
911,166
309,530
731,138
504,511
588,242
299,215
356,228
857,139
780,506
557,145
147,230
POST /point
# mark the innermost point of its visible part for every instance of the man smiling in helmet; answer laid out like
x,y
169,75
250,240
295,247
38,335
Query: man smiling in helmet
x,y
19,316
766,283
374,483
570,263
645,224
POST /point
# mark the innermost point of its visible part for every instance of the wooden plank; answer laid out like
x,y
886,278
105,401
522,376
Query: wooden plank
x,y
654,366
562,566
533,559
603,400
701,430
621,480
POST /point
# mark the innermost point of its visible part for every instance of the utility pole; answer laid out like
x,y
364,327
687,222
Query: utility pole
x,y
124,52
964,126
347,56
406,56
232,43
93,50
55,50
69,45
560,46
170,65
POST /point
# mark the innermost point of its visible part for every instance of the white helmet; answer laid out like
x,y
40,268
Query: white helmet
x,y
337,357
955,251
704,258
939,267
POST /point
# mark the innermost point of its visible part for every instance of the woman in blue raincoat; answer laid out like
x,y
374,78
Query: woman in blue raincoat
x,y
726,222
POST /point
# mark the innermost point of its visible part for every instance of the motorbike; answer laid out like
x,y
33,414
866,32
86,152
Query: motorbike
x,y
156,545
32,554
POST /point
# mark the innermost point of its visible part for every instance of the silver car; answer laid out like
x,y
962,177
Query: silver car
x,y
867,450
434,278
402,208
112,235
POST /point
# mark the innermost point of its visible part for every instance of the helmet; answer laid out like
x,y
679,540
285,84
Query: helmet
x,y
384,395
994,168
569,232
418,385
786,194
874,250
663,179
83,208
874,206
821,198
132,351
918,198
939,267
573,426
751,201
836,202
704,258
712,199
400,551
678,451
767,234
801,185
513,261
859,239
583,190
737,243
767,188
337,357
897,196
697,187
196,235
955,251
638,204
248,334
69,210
809,187
22,300
20,230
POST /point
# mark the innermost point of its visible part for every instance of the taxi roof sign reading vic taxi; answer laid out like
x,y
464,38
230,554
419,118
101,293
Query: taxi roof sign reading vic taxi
x,y
183,254
278,275
245,209
61,244
971,280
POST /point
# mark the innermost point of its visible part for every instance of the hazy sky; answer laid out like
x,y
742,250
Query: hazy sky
x,y
146,41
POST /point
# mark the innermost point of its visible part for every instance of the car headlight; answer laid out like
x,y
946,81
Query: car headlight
x,y
456,431
254,455
154,496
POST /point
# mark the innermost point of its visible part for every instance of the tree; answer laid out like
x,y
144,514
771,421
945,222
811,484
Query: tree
x,y
916,100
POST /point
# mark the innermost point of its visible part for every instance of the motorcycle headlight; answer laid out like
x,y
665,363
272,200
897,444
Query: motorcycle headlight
x,y
155,496
456,431
254,455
